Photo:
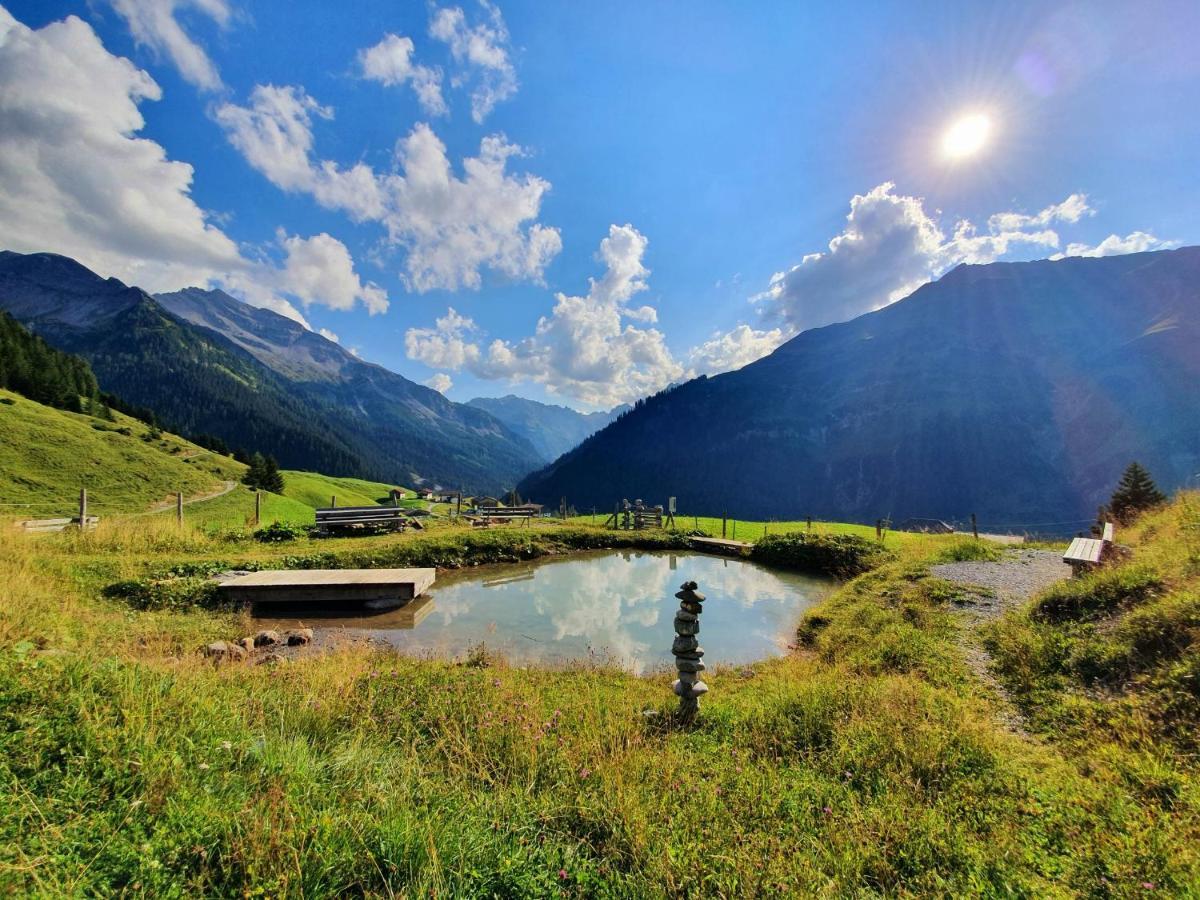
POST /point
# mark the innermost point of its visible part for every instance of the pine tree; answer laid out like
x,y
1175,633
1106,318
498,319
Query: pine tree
x,y
1135,493
255,474
272,480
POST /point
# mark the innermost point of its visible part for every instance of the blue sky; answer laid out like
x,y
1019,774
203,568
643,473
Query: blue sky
x,y
609,197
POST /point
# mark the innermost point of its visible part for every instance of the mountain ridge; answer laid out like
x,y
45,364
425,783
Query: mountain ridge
x,y
359,420
552,429
1018,391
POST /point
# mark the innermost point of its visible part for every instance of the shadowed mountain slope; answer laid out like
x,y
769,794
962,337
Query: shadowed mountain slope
x,y
1018,391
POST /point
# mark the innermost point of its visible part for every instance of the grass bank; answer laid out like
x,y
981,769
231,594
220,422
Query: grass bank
x,y
871,761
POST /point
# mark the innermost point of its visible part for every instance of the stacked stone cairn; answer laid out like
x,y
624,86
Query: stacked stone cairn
x,y
687,650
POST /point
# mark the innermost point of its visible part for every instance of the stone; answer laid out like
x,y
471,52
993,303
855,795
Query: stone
x,y
686,628
689,665
237,653
688,586
689,690
299,637
271,659
690,607
695,596
684,644
217,650
266,638
686,616
247,644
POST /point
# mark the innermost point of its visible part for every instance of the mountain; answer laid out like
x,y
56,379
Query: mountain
x,y
210,364
553,430
1017,391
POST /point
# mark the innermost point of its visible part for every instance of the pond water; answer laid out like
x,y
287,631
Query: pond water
x,y
616,606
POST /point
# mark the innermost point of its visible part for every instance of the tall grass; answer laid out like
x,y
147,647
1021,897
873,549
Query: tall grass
x,y
871,762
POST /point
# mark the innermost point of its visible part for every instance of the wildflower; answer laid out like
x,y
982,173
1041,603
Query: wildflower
x,y
827,810
1148,885
226,745
562,874
203,765
585,772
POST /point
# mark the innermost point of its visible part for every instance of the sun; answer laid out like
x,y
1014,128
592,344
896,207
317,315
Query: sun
x,y
967,136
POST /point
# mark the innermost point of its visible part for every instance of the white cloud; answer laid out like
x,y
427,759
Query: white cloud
x,y
889,248
1070,210
441,382
582,350
155,23
390,63
482,53
320,270
328,335
1115,245
75,178
734,349
452,227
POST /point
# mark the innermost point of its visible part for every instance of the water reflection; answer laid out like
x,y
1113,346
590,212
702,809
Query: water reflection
x,y
616,605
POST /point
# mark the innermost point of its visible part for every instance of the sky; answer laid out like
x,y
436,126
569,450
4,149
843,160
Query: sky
x,y
584,203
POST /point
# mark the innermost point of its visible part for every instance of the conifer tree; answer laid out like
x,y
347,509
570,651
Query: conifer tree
x,y
272,480
254,475
1135,493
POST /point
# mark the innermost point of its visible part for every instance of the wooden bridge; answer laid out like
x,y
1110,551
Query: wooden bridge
x,y
328,585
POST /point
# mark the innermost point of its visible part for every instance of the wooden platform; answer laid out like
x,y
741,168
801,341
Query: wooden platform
x,y
328,585
719,545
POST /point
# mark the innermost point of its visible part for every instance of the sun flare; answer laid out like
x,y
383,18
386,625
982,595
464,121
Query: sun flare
x,y
967,136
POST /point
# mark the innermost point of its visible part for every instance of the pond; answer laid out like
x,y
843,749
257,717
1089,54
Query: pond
x,y
612,606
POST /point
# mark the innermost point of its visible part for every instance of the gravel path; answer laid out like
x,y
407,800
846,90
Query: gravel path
x,y
1008,583
1005,584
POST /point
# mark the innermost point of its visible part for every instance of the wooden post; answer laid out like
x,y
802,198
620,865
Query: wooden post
x,y
696,522
458,506
83,509
810,523
974,526
724,516
179,507
764,529
879,529
333,501
257,507
735,529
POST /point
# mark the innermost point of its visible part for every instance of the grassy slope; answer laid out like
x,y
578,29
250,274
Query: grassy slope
x,y
48,454
872,761
315,490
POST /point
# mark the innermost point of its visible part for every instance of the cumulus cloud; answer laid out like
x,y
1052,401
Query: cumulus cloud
x,y
155,24
451,226
733,349
481,52
76,178
890,247
441,382
584,349
328,335
1115,245
390,62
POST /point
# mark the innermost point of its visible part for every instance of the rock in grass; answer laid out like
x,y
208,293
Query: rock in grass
x,y
247,644
298,637
266,638
225,651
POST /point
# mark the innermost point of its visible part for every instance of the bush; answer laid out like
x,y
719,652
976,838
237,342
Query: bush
x,y
280,533
1097,594
841,555
970,550
173,593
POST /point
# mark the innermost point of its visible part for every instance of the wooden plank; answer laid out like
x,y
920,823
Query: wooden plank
x,y
328,585
1084,550
1108,533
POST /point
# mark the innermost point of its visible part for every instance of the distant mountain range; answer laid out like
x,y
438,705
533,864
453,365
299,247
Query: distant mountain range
x,y
553,430
207,363
1017,391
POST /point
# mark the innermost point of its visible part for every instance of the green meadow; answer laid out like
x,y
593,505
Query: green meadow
x,y
873,760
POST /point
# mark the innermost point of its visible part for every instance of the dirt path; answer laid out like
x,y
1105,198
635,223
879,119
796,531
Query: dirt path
x,y
225,488
995,588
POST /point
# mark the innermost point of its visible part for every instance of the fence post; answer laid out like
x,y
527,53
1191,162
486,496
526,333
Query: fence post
x,y
974,527
810,523
735,529
724,516
333,500
179,507
83,509
257,507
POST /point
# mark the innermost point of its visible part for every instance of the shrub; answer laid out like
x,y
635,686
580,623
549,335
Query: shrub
x,y
280,533
173,593
1097,594
841,555
970,550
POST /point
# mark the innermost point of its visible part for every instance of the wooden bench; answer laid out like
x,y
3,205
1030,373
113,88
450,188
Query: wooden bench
x,y
363,519
58,524
652,516
490,515
1087,553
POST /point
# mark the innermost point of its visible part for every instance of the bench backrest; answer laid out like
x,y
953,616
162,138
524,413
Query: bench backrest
x,y
500,512
1108,533
351,514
